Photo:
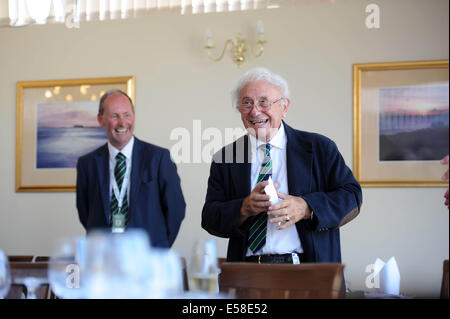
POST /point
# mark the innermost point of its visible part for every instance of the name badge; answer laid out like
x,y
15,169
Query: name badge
x,y
118,223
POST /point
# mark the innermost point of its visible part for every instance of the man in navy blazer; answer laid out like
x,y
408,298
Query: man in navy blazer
x,y
151,198
317,192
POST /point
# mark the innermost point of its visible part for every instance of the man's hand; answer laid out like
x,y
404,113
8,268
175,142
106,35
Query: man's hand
x,y
255,203
289,211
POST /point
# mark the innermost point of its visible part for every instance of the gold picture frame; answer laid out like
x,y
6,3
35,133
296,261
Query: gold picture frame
x,y
56,122
399,123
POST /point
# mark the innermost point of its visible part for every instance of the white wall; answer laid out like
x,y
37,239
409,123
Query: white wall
x,y
313,46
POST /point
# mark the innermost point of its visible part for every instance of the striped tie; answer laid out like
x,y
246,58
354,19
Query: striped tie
x,y
119,174
258,230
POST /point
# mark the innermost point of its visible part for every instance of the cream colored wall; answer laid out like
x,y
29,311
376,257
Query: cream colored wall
x,y
312,46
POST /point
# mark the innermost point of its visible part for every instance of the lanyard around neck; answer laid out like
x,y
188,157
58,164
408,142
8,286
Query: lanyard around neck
x,y
120,195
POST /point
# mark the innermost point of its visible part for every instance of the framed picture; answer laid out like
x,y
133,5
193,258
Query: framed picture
x,y
56,123
400,123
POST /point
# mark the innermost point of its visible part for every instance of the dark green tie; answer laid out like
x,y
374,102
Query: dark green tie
x,y
258,230
119,174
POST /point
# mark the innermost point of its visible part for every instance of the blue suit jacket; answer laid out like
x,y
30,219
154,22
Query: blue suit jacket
x,y
156,201
316,172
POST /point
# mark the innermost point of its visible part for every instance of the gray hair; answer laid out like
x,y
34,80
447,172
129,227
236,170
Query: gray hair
x,y
101,106
259,74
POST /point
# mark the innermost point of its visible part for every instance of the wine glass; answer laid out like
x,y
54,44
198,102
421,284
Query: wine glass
x,y
66,260
5,275
32,284
173,274
164,274
203,274
117,264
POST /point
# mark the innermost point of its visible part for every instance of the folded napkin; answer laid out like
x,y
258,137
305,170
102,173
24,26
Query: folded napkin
x,y
272,192
387,277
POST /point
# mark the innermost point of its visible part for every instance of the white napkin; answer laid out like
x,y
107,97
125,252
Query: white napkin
x,y
388,276
271,191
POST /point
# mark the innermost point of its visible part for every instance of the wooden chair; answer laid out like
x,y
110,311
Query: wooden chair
x,y
221,260
282,281
20,270
444,284
20,258
17,291
185,276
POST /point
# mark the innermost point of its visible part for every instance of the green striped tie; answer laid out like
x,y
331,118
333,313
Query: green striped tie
x,y
258,230
119,174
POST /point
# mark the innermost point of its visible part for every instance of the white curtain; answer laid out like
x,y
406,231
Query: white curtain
x,y
24,12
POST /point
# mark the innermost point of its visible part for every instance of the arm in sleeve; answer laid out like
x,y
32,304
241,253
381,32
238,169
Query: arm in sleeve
x,y
172,198
220,215
82,194
340,200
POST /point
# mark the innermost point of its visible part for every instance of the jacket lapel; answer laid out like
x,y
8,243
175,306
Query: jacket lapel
x,y
240,174
299,159
102,162
298,162
135,178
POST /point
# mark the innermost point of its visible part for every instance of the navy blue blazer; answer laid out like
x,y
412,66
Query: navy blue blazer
x,y
316,172
156,201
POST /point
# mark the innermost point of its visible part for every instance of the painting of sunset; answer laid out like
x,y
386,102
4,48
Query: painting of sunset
x,y
65,131
413,123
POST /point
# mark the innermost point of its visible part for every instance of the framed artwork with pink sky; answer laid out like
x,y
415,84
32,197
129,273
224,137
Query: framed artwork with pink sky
x,y
400,123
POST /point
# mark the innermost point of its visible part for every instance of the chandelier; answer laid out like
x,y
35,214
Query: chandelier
x,y
237,46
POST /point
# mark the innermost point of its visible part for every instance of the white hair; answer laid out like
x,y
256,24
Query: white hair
x,y
255,75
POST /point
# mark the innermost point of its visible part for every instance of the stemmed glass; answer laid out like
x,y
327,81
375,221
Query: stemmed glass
x,y
32,284
204,271
164,275
117,265
5,275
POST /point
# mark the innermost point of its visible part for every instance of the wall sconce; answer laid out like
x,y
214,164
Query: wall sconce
x,y
238,46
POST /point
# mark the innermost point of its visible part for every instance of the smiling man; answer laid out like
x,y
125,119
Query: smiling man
x,y
317,192
128,183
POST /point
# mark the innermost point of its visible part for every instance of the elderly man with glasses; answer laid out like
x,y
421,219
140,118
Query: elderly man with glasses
x,y
317,193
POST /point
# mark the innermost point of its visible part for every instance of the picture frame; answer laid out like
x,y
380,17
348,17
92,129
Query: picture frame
x,y
400,123
56,122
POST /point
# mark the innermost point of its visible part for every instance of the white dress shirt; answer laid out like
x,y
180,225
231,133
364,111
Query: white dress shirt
x,y
128,152
277,241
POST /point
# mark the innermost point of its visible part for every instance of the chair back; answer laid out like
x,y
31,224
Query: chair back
x,y
282,281
20,258
184,274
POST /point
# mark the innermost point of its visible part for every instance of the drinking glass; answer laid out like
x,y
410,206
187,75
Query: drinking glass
x,y
117,264
32,284
5,275
164,274
203,274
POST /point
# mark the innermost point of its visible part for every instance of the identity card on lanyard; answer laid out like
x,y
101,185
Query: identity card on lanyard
x,y
118,220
